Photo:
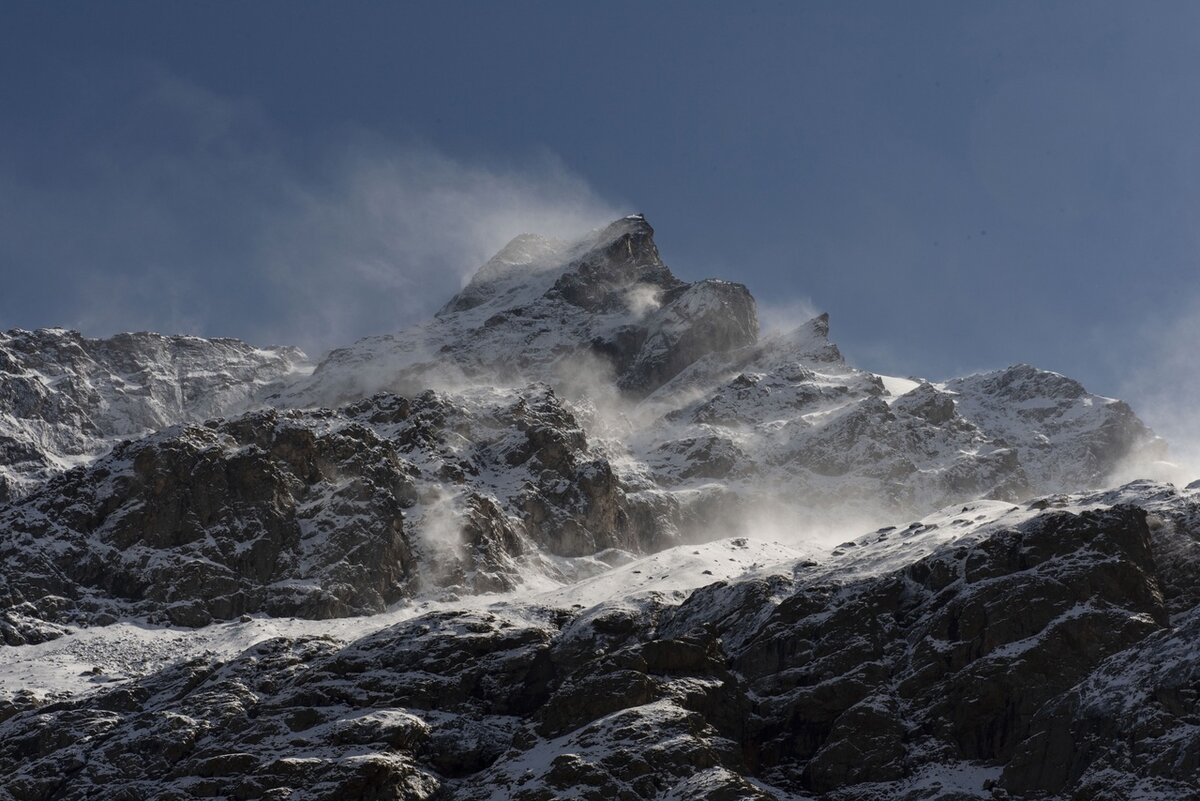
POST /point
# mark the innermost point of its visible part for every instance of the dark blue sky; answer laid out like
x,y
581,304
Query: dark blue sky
x,y
961,185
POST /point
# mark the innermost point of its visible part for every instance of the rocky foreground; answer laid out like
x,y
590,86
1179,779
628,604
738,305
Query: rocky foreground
x,y
1040,650
521,551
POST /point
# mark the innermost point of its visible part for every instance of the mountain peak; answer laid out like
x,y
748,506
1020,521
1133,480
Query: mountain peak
x,y
529,265
521,261
542,306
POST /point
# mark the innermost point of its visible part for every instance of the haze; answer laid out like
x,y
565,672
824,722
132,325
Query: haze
x,y
961,187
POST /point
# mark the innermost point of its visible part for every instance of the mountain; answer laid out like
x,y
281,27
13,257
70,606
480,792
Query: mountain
x,y
789,412
575,536
679,389
66,399
972,654
316,514
602,310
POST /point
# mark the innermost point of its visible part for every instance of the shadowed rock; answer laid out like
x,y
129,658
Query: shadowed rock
x,y
1039,654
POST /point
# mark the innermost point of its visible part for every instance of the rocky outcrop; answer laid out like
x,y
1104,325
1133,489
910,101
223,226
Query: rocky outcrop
x,y
313,514
266,512
1129,730
1030,651
705,420
949,658
599,312
575,407
1067,438
790,413
66,399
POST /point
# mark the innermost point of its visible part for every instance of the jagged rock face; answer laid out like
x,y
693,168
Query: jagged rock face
x,y
726,420
267,512
66,399
311,514
789,412
1129,730
949,658
1001,659
1067,438
603,310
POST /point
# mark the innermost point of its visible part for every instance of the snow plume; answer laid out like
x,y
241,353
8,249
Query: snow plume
x,y
786,315
1165,392
643,299
588,382
397,229
436,525
441,518
219,223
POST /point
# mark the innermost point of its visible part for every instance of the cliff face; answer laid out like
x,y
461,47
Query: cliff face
x,y
317,514
542,310
66,399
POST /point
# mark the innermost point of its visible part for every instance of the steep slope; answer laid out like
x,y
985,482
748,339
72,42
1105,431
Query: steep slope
x,y
676,423
979,652
1065,437
733,433
787,424
66,399
702,414
317,514
673,374
604,310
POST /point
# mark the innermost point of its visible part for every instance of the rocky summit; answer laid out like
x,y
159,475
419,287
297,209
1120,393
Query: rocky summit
x,y
585,533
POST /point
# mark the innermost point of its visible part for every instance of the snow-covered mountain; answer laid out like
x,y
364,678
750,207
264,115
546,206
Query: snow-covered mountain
x,y
678,389
986,651
66,399
571,538
788,412
600,311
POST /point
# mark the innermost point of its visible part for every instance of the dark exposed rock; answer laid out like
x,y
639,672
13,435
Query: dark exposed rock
x,y
314,514
66,397
603,309
23,625
219,520
865,744
694,321
957,652
1129,730
928,403
1042,648
1046,649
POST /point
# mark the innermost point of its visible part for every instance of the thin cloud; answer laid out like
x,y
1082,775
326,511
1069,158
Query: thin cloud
x,y
1164,386
185,211
779,317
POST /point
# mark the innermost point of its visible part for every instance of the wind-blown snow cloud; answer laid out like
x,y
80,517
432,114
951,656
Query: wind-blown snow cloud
x,y
185,211
1165,389
781,316
397,230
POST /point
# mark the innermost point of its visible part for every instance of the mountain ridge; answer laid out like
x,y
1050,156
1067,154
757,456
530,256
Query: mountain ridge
x,y
524,549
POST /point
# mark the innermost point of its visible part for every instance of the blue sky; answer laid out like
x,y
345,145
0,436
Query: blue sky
x,y
961,185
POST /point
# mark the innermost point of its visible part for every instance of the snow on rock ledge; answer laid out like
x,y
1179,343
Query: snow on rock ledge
x,y
66,399
606,307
